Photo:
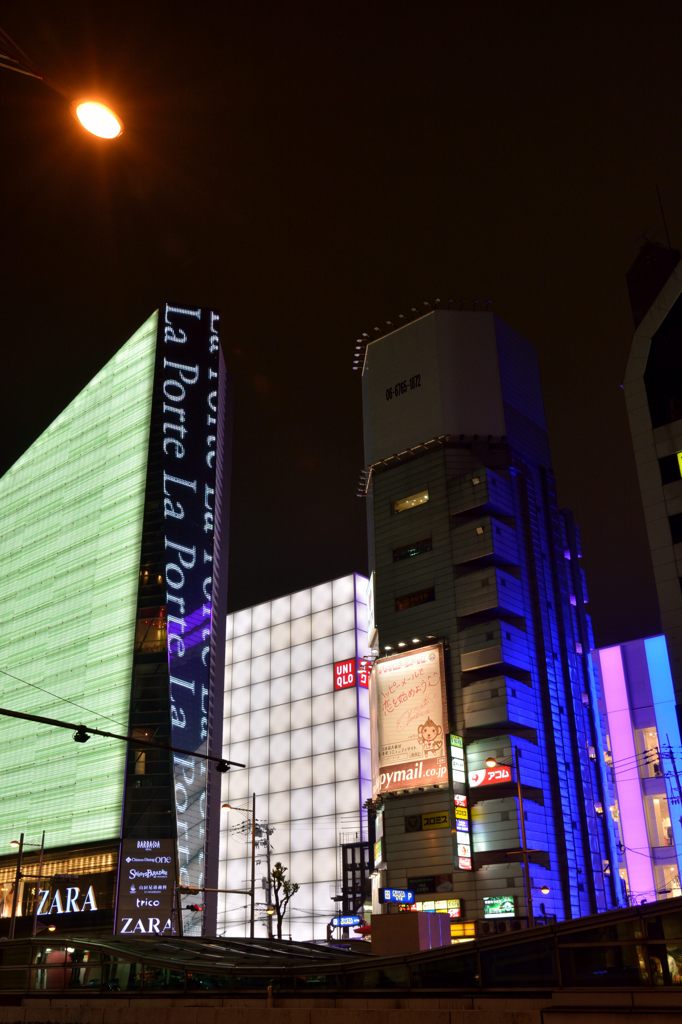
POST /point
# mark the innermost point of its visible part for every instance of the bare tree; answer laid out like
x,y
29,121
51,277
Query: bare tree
x,y
282,891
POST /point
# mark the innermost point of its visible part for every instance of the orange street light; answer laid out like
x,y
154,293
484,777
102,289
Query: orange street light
x,y
93,115
98,119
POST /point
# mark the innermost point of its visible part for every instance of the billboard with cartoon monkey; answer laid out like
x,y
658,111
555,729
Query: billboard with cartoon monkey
x,y
409,720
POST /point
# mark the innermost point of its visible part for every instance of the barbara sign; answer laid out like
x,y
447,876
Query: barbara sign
x,y
409,720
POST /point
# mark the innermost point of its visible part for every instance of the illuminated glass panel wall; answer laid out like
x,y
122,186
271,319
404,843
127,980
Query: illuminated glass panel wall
x,y
71,511
306,746
645,749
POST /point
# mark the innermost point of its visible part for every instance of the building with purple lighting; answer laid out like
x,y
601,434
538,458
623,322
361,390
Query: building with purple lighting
x,y
644,752
482,634
653,396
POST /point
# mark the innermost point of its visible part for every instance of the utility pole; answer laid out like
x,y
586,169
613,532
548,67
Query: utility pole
x,y
253,865
524,844
17,882
34,926
673,760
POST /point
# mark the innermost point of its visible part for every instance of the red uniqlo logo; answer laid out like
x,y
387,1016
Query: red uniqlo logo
x,y
364,669
344,674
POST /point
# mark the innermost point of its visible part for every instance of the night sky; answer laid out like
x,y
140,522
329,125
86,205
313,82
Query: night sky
x,y
312,170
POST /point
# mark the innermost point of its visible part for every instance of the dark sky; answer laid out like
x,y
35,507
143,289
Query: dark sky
x,y
312,170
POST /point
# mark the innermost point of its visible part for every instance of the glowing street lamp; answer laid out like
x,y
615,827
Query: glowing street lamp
x,y
98,119
94,116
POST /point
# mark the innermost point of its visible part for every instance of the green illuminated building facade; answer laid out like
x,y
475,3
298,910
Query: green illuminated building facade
x,y
109,565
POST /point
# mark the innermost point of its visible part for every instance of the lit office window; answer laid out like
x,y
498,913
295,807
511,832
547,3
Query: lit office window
x,y
415,598
646,743
667,878
411,501
417,547
659,826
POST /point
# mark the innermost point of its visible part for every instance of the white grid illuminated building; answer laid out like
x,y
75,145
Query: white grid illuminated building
x,y
296,714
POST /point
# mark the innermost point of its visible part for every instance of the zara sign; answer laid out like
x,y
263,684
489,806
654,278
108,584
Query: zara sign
x,y
69,900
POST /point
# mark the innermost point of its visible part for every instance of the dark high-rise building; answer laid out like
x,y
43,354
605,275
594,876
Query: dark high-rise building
x,y
653,395
482,635
113,571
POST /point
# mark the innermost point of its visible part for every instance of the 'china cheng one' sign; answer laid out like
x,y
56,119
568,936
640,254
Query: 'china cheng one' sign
x,y
409,720
189,368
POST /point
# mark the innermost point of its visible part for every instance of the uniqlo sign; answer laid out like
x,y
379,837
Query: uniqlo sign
x,y
354,672
345,674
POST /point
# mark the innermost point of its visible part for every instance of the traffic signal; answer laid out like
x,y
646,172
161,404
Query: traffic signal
x,y
196,907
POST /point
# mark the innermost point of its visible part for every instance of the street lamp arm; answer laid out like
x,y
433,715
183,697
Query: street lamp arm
x,y
94,116
13,58
222,765
8,65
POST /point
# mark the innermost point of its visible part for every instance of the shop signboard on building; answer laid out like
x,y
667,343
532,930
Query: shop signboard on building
x,y
499,906
409,720
146,888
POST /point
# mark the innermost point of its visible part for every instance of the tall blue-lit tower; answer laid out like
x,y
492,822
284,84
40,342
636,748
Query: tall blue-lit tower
x,y
472,555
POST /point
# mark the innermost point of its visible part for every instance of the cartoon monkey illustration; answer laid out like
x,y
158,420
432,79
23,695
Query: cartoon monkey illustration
x,y
430,736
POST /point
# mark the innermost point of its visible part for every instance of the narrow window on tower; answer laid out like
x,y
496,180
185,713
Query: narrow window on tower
x,y
676,527
418,547
670,467
411,501
416,597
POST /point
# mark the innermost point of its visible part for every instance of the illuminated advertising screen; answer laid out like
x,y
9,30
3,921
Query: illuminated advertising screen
x,y
409,720
402,896
146,888
345,673
452,907
490,776
460,803
346,921
189,352
499,906
354,672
